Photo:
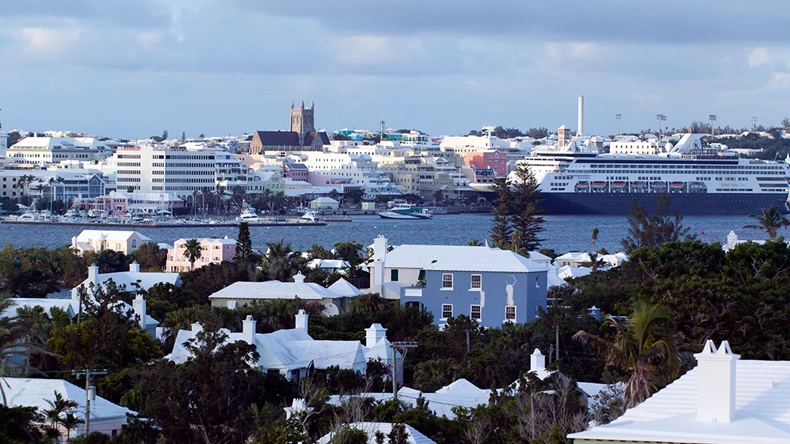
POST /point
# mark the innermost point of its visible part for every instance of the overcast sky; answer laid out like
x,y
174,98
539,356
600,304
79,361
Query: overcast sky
x,y
123,68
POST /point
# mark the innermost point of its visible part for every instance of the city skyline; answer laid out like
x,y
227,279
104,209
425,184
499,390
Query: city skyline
x,y
120,69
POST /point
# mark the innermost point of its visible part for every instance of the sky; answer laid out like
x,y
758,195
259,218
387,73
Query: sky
x,y
131,69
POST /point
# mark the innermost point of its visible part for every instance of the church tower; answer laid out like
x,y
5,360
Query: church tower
x,y
302,120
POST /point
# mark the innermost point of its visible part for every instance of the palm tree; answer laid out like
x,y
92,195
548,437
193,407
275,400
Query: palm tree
x,y
642,348
595,232
59,410
474,243
192,251
770,221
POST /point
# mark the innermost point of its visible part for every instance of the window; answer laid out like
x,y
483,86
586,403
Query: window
x,y
421,276
447,280
510,312
476,282
134,243
394,275
474,312
447,311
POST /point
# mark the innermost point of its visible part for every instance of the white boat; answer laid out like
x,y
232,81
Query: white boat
x,y
406,211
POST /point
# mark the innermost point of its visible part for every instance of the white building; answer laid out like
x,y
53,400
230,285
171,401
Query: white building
x,y
99,240
334,298
723,400
105,416
43,151
293,352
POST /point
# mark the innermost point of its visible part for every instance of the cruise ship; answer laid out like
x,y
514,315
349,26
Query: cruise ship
x,y
699,180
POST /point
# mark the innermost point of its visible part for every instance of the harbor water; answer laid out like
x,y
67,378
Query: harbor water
x,y
562,233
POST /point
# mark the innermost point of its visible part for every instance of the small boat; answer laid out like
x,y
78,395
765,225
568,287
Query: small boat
x,y
406,211
583,186
618,186
677,185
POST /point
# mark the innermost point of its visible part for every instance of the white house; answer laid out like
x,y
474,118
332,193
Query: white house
x,y
105,417
723,400
293,353
99,240
127,280
333,299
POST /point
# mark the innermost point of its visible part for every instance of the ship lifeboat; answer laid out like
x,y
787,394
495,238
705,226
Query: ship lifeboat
x,y
618,186
658,185
697,187
677,186
583,186
599,186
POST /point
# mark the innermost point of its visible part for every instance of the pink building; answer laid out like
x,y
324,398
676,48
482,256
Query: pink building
x,y
214,251
488,159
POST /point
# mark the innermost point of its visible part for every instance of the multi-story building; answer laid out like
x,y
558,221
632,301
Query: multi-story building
x,y
489,285
154,168
213,251
97,241
423,176
41,151
63,185
352,170
494,160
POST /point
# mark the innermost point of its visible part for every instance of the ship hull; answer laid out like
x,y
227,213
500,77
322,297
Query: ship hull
x,y
680,203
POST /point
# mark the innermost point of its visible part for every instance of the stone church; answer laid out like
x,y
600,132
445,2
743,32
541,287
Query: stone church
x,y
302,136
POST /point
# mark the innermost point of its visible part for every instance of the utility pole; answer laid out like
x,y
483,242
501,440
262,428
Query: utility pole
x,y
557,339
88,373
404,348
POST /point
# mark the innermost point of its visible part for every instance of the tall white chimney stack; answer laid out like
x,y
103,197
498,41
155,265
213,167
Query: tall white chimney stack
x,y
716,383
580,131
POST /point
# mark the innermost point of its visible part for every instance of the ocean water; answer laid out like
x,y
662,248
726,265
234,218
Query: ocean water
x,y
563,233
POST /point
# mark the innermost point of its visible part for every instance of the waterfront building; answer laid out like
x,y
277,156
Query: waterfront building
x,y
419,175
156,168
213,251
302,136
489,285
60,184
293,353
97,241
493,160
724,399
42,151
351,170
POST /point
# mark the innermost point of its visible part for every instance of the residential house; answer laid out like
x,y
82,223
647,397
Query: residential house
x,y
334,298
723,400
97,241
213,251
294,353
105,416
489,285
126,281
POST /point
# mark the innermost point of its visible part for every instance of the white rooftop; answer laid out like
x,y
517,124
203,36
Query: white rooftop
x,y
282,290
460,258
762,411
86,235
34,392
413,436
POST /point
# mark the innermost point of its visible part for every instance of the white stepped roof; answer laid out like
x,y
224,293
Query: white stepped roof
x,y
413,436
277,290
34,392
762,411
460,258
86,235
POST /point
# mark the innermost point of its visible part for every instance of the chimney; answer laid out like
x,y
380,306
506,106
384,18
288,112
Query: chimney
x,y
580,131
248,330
379,247
374,334
140,309
732,239
537,362
301,319
134,267
299,278
716,383
93,274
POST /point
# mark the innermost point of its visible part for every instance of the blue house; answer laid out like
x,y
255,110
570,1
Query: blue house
x,y
489,285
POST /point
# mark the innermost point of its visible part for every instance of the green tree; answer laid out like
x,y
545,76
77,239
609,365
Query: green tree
x,y
243,243
526,207
19,425
643,348
653,230
770,221
349,435
192,251
501,230
350,252
150,257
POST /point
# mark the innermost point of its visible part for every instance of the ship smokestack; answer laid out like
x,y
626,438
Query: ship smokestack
x,y
580,131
